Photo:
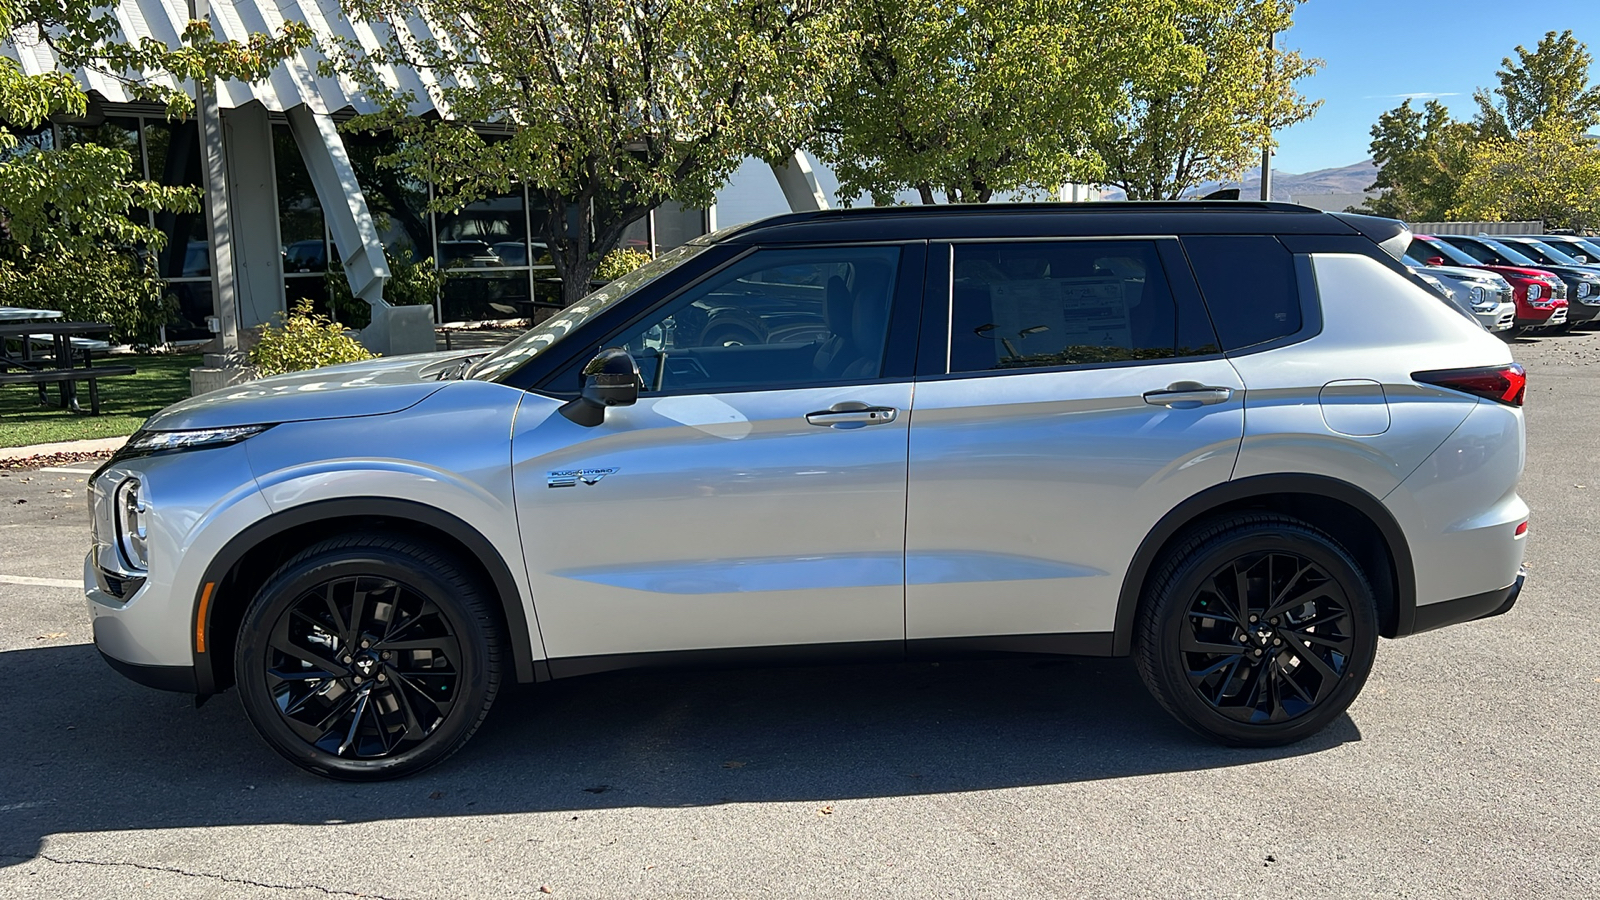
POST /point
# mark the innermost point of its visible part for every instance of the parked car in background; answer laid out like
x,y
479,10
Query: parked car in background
x,y
1540,296
306,256
1585,291
1479,293
1583,286
1585,250
1012,429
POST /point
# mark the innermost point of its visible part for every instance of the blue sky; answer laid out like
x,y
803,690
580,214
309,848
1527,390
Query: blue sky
x,y
1378,49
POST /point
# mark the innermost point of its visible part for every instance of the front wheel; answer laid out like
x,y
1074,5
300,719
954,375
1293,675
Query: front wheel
x,y
368,657
1258,630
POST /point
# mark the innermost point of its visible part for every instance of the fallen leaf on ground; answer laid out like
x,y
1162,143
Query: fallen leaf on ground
x,y
546,889
733,764
826,810
436,795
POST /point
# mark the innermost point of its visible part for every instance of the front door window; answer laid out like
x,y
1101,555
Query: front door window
x,y
775,319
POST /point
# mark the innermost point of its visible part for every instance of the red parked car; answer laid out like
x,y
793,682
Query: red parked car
x,y
1541,296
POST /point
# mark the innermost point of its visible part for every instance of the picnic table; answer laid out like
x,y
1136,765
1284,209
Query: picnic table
x,y
70,358
10,314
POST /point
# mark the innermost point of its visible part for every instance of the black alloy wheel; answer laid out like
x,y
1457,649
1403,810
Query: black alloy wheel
x,y
367,658
1259,630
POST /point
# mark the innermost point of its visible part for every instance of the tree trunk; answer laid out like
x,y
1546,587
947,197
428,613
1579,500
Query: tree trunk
x,y
926,191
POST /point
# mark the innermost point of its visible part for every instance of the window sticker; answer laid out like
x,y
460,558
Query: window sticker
x,y
1046,316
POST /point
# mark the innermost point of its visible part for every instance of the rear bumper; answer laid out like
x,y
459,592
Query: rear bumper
x,y
1467,609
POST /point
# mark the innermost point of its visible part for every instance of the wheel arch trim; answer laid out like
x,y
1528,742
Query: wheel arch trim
x,y
1265,486
234,551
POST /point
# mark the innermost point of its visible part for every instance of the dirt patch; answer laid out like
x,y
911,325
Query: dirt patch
x,y
28,463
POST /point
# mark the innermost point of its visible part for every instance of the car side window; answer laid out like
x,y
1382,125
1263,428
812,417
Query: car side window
x,y
1478,252
1249,286
776,318
1063,303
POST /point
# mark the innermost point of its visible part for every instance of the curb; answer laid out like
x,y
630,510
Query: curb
x,y
98,445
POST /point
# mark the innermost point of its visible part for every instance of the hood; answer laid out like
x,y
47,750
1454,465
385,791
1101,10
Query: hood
x,y
1521,271
1571,272
371,388
1461,273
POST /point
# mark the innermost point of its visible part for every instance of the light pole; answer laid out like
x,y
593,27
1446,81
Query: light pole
x,y
1266,149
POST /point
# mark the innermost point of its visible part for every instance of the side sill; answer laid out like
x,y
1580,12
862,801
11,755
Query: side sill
x,y
731,657
1083,643
1467,609
180,679
1071,644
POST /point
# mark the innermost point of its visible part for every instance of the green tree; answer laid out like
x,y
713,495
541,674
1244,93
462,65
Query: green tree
x,y
604,108
1422,155
1545,173
70,211
971,97
1546,85
1203,95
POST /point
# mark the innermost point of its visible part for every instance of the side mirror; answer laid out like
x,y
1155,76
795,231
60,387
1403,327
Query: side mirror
x,y
610,379
1435,260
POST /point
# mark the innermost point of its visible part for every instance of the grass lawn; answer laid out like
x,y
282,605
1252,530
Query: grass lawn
x,y
124,403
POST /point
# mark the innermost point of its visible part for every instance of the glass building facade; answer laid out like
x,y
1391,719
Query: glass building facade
x,y
498,268
168,153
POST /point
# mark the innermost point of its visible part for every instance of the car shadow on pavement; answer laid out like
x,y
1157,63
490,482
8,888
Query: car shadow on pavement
x,y
86,751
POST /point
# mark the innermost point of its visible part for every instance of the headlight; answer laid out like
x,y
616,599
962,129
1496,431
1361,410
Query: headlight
x,y
1482,297
156,441
1535,290
1585,288
132,517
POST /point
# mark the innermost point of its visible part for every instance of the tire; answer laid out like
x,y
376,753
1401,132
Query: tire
x,y
1253,686
424,658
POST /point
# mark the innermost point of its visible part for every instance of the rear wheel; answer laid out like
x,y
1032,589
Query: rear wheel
x,y
1257,630
368,657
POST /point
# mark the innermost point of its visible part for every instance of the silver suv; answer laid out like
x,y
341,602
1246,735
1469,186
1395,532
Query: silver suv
x,y
1237,441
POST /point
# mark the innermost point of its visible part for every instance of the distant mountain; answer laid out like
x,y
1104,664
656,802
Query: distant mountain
x,y
1351,179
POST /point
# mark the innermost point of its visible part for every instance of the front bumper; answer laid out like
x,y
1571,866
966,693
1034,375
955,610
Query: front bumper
x,y
181,679
1558,317
1468,609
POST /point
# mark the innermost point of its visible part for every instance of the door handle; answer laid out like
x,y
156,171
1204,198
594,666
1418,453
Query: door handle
x,y
1188,395
853,415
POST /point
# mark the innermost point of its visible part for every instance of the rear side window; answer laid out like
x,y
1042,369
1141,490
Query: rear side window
x,y
1249,285
1042,304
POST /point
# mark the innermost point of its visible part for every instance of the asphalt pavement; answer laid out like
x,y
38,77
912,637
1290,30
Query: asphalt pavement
x,y
1470,767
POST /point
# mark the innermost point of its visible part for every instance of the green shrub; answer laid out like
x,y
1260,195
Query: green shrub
x,y
304,340
117,288
618,263
411,282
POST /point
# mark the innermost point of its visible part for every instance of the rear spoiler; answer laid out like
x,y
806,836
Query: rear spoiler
x,y
1393,235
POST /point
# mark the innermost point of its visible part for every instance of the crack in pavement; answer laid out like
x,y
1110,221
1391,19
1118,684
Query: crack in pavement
x,y
60,861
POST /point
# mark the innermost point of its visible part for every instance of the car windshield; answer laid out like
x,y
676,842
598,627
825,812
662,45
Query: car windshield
x,y
1509,252
1587,248
1449,252
1547,253
547,334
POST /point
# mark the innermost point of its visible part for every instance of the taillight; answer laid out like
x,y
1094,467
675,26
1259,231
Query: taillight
x,y
1502,384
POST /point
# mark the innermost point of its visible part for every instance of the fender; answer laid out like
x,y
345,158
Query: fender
x,y
1265,486
345,507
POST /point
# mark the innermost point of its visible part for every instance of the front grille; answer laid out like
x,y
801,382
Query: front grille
x,y
1561,291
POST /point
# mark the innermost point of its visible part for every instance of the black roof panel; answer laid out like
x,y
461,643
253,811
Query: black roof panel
x,y
988,220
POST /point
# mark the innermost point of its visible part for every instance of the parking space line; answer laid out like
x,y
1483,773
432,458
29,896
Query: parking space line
x,y
68,471
40,582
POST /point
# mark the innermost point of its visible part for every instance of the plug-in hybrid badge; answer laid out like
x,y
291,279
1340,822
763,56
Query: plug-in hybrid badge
x,y
571,477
